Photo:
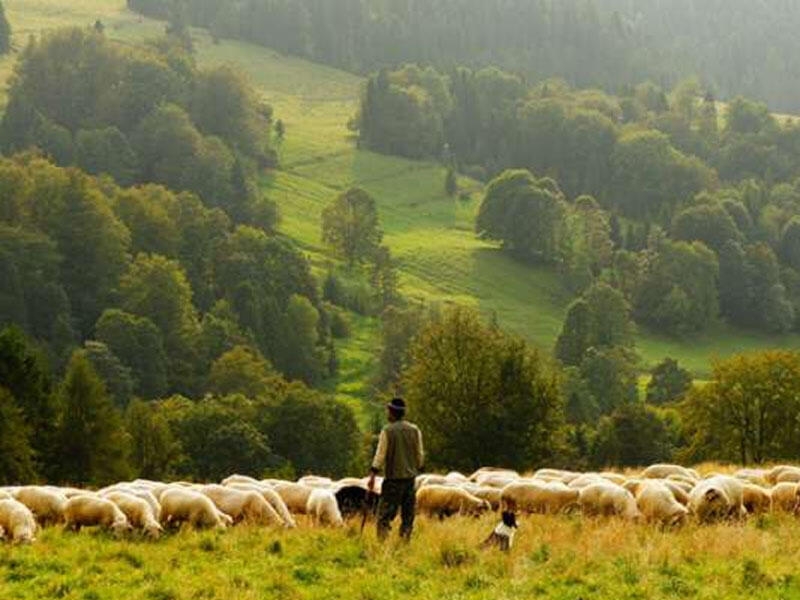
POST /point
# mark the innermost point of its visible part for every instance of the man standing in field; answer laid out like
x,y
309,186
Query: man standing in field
x,y
400,455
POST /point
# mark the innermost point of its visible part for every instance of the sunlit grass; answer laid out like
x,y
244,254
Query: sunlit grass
x,y
554,558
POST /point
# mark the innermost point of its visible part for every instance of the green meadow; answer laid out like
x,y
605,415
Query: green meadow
x,y
554,558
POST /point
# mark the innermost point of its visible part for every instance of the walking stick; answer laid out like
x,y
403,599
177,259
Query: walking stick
x,y
365,512
365,506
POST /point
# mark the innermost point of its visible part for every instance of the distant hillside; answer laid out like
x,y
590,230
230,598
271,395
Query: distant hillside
x,y
735,47
430,235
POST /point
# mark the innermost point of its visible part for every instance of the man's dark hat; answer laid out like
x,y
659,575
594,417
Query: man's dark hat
x,y
397,405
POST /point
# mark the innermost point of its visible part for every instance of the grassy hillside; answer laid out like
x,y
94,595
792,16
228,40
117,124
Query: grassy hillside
x,y
554,558
430,234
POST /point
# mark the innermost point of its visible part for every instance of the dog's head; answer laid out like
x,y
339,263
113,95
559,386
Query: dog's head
x,y
509,518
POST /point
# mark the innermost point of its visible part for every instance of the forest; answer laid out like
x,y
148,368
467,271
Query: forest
x,y
155,321
689,213
737,47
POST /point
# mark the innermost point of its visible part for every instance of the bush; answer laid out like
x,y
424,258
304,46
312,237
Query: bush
x,y
340,324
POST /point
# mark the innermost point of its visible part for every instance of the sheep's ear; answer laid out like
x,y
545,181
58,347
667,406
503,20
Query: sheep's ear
x,y
712,495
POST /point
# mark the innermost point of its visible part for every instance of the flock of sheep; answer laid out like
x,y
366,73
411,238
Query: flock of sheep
x,y
664,494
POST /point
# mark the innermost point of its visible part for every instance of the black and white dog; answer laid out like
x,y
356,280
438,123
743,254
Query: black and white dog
x,y
503,534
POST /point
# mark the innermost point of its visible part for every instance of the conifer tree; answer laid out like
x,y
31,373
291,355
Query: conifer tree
x,y
92,442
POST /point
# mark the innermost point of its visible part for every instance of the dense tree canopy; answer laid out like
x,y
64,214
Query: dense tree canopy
x,y
748,412
481,396
139,114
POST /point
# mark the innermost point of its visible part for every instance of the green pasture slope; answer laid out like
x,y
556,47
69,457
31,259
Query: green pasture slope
x,y
430,235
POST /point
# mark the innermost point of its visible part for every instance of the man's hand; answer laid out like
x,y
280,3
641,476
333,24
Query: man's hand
x,y
371,483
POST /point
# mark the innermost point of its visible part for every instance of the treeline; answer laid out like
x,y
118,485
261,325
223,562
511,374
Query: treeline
x,y
82,429
737,47
142,115
484,396
690,215
479,394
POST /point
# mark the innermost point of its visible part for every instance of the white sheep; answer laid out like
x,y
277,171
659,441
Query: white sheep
x,y
323,508
17,521
773,475
784,497
315,481
270,496
47,505
657,503
532,496
91,511
492,495
294,495
663,471
181,505
608,499
756,499
236,478
444,501
719,497
138,512
242,505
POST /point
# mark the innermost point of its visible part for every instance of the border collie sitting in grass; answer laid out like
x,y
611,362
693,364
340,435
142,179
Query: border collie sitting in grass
x,y
503,535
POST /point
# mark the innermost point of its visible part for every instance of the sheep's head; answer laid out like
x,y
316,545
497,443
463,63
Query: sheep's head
x,y
121,526
154,530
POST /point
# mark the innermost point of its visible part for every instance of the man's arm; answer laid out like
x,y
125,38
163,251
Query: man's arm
x,y
420,451
380,453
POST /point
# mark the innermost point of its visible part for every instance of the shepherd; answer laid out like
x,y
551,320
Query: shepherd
x,y
401,457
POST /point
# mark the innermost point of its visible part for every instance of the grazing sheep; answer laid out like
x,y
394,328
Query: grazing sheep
x,y
657,503
784,497
239,479
663,471
485,471
323,508
154,487
608,499
429,479
179,505
716,498
456,477
138,512
294,495
756,500
587,479
559,474
492,495
248,506
47,505
445,501
680,492
534,497
270,496
314,481
17,521
754,476
91,511
348,482
788,476
613,477
774,474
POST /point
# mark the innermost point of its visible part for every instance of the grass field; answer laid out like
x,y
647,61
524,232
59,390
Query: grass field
x,y
431,236
554,558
